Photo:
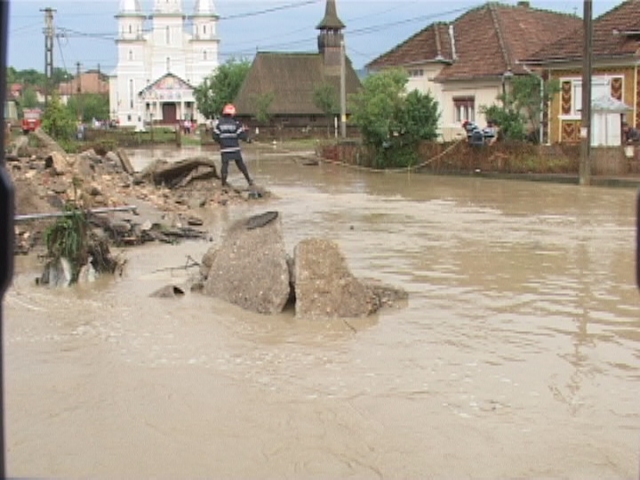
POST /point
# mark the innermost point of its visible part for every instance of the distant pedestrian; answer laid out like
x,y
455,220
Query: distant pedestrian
x,y
630,134
227,132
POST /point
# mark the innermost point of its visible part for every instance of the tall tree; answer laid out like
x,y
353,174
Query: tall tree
x,y
221,87
57,121
29,98
325,98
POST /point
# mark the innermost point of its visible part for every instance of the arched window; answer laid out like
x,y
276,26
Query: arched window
x,y
204,29
168,64
168,35
130,29
130,54
204,54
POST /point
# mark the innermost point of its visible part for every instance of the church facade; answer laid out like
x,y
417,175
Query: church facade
x,y
160,62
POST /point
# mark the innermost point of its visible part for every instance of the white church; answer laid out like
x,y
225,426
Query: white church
x,y
160,62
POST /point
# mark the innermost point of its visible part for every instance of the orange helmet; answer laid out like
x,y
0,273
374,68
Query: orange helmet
x,y
229,109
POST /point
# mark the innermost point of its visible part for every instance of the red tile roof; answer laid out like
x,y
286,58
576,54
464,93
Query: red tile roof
x,y
616,33
430,44
90,82
488,41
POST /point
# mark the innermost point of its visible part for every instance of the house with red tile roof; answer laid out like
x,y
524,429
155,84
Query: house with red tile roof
x,y
615,70
468,63
92,81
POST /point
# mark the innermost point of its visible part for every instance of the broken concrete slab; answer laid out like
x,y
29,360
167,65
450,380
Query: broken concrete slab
x,y
325,288
168,291
250,267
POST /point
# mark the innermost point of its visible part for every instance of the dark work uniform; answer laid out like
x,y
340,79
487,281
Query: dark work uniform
x,y
227,133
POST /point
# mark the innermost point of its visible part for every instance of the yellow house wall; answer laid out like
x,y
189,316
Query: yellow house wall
x,y
629,95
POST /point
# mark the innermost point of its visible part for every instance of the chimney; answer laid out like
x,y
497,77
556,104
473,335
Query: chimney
x,y
452,39
524,4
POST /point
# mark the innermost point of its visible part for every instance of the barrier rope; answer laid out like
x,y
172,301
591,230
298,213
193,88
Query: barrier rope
x,y
394,170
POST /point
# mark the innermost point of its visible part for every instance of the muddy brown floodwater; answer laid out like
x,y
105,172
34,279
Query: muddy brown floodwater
x,y
517,355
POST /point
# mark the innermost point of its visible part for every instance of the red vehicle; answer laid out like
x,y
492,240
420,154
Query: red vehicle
x,y
31,120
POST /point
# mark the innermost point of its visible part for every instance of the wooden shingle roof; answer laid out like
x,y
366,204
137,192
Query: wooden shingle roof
x,y
292,79
330,20
616,33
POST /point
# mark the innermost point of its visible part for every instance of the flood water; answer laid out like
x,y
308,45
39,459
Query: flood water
x,y
516,356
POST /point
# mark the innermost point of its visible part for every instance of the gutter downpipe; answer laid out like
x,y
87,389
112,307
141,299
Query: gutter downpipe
x,y
541,137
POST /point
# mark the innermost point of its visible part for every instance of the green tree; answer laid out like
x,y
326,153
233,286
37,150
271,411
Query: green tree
x,y
392,122
29,98
221,87
57,121
519,110
31,77
12,75
263,104
325,98
59,76
89,106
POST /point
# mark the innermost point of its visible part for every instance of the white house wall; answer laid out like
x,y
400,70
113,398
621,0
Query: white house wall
x,y
483,93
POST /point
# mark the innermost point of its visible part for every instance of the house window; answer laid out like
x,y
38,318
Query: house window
x,y
464,109
417,72
204,54
196,31
130,30
601,86
168,64
204,30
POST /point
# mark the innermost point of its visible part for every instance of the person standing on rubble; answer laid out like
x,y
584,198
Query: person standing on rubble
x,y
227,132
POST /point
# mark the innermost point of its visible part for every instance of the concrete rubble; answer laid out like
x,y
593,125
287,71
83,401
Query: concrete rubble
x,y
252,269
46,178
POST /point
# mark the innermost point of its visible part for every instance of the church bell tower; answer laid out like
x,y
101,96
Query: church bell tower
x,y
330,37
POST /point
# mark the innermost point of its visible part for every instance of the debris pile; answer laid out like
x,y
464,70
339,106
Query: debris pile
x,y
47,180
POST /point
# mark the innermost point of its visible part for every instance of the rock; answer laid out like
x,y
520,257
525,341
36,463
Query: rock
x,y
250,268
194,221
85,163
146,226
49,143
386,295
125,162
121,227
59,186
113,158
207,261
20,147
168,291
57,273
57,162
324,286
87,274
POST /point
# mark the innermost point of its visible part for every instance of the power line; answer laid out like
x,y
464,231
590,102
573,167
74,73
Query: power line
x,y
269,10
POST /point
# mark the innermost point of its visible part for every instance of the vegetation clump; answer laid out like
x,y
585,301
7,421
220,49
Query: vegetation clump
x,y
393,122
70,237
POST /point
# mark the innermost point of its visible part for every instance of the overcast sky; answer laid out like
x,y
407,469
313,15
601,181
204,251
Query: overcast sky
x,y
86,29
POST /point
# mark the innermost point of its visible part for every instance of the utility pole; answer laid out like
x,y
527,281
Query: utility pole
x,y
585,120
78,90
48,52
343,92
